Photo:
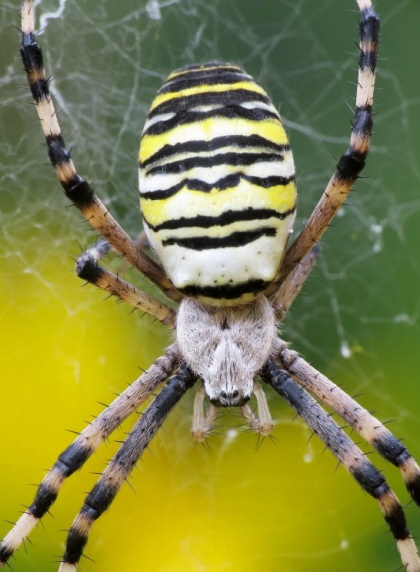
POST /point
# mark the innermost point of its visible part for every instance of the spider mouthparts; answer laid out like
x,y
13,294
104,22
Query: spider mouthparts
x,y
233,399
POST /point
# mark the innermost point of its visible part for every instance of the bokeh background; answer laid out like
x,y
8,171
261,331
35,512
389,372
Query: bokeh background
x,y
234,506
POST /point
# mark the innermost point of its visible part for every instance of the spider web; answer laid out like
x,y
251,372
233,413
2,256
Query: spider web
x,y
244,505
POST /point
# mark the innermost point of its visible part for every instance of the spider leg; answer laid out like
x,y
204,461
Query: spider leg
x,y
366,425
87,268
141,242
353,160
84,445
353,459
120,466
75,187
265,422
261,423
292,284
103,248
202,422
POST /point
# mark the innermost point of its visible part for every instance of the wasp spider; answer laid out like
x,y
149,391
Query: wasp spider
x,y
218,198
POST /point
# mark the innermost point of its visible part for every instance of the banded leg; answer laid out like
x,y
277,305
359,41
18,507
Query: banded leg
x,y
366,425
353,459
114,476
74,457
75,187
352,162
87,268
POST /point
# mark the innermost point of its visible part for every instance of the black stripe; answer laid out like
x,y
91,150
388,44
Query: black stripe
x,y
76,188
233,159
39,89
210,77
228,217
88,269
45,497
5,552
369,32
80,193
57,150
229,112
225,291
33,61
76,541
222,184
353,161
241,141
233,240
73,458
228,97
368,60
391,449
363,122
194,68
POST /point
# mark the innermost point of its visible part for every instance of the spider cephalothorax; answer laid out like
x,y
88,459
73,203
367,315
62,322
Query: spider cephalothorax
x,y
218,197
226,346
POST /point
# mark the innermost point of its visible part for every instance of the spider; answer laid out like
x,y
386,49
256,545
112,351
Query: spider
x,y
218,197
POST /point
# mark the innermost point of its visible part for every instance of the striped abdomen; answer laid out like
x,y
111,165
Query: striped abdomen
x,y
217,183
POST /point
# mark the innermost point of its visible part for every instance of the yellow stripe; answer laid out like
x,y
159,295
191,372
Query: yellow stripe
x,y
271,129
192,203
248,85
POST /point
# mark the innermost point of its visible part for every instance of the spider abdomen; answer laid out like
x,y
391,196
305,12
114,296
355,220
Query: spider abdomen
x,y
217,183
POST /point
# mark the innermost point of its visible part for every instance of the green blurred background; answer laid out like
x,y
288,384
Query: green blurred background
x,y
235,507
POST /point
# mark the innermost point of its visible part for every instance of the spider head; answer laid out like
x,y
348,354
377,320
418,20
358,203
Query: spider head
x,y
226,346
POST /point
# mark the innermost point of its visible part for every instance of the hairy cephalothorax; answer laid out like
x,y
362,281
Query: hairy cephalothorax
x,y
226,346
218,199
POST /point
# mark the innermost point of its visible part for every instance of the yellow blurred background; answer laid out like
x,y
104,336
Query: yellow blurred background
x,y
236,506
